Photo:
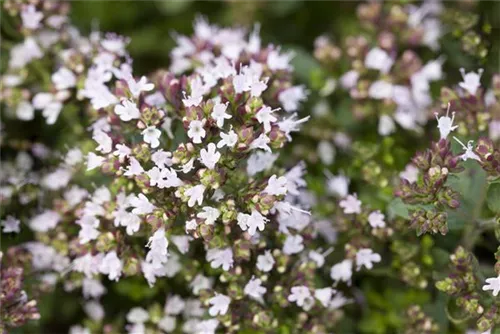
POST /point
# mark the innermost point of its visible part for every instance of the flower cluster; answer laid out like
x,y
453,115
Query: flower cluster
x,y
462,284
211,189
386,77
16,307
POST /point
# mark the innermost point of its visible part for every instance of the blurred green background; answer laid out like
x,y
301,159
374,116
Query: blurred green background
x,y
150,24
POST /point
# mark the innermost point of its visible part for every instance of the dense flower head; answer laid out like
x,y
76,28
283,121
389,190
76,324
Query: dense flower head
x,y
167,197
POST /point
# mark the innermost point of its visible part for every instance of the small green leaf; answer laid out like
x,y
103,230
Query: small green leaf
x,y
493,198
398,209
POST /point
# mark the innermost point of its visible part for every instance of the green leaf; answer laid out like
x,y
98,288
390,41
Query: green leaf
x,y
471,184
304,64
397,208
493,198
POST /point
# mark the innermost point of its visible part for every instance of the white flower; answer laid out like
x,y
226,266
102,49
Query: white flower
x,y
156,99
94,161
195,195
11,80
30,17
209,157
445,123
122,151
181,242
112,266
137,315
63,79
191,225
351,204
291,97
378,59
277,62
162,159
386,125
265,262
57,179
134,168
324,295
167,324
220,258
349,79
219,114
25,111
196,131
230,139
471,80
94,310
265,116
105,142
115,45
493,284
380,89
338,301
192,100
188,166
276,186
141,205
254,288
337,185
469,153
45,221
410,173
22,54
301,296
252,222
260,161
261,142
366,257
158,253
88,231
155,176
77,329
150,135
317,257
150,273
220,304
11,225
73,157
88,264
342,271
50,104
92,288
494,130
209,214
199,283
293,244
127,110
136,87
205,326
326,152
376,219
291,124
